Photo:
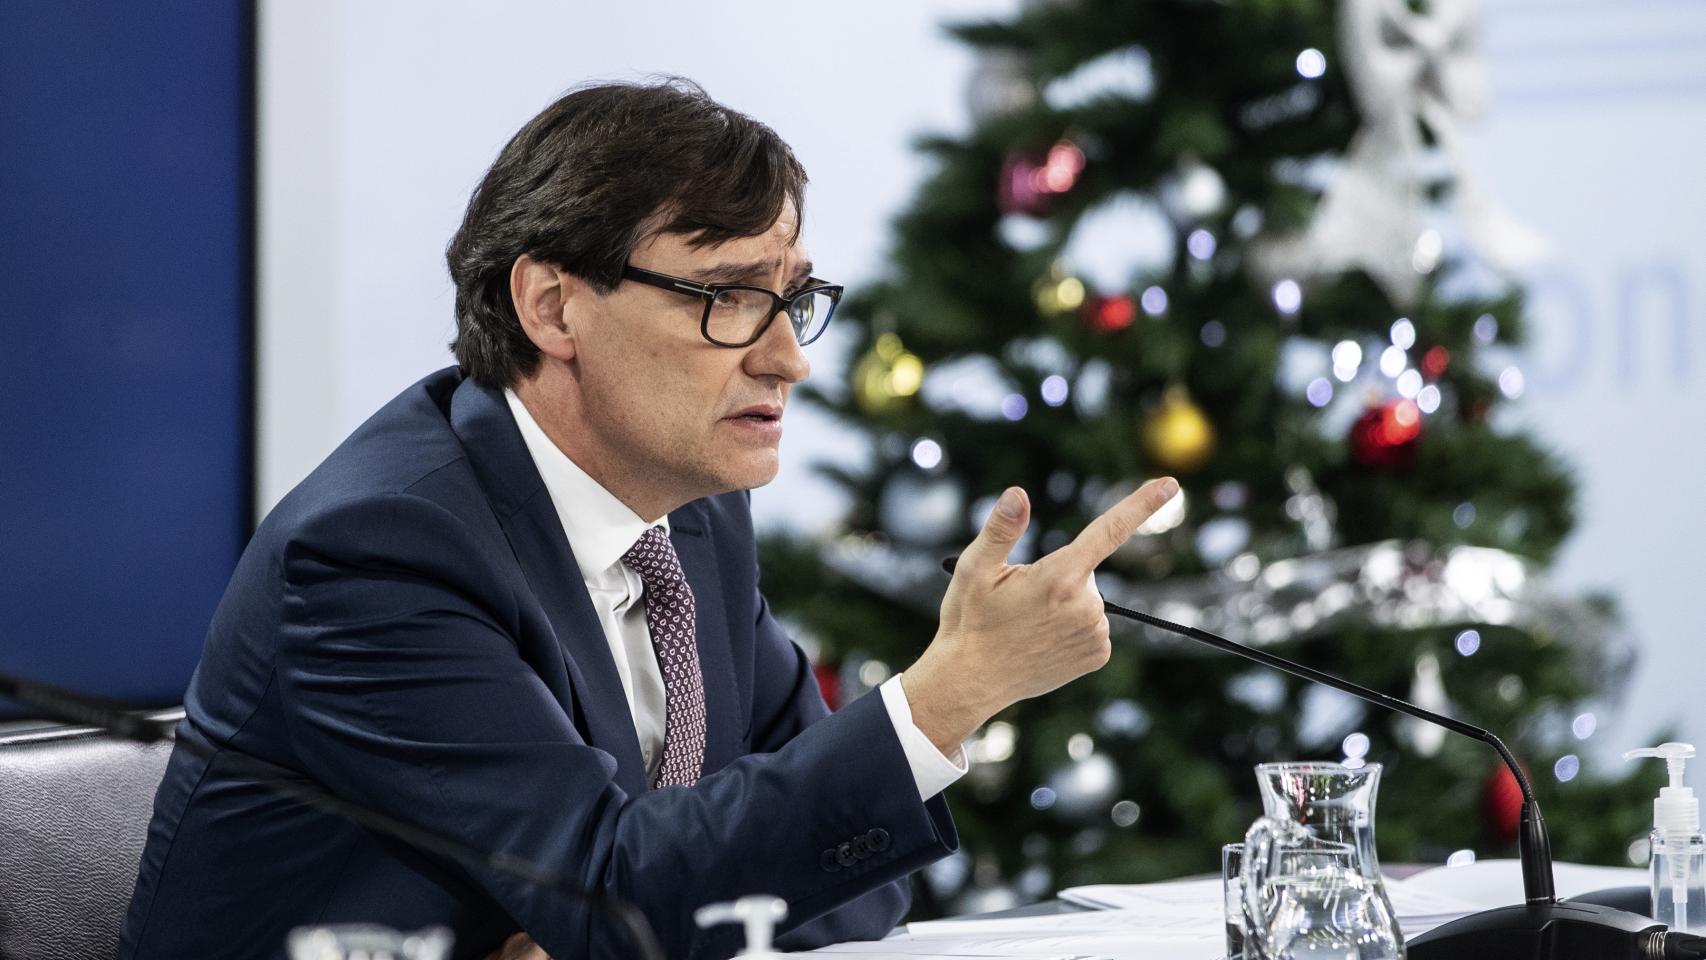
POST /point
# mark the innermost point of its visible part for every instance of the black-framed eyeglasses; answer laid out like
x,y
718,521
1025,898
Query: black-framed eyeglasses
x,y
736,315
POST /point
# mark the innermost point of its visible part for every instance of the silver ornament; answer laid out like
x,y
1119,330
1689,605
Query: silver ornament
x,y
1084,787
1194,192
999,85
920,510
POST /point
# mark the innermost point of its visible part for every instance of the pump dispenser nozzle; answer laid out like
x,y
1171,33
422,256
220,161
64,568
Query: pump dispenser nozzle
x,y
1675,810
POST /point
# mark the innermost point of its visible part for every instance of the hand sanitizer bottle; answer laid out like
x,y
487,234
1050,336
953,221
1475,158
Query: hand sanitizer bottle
x,y
1678,849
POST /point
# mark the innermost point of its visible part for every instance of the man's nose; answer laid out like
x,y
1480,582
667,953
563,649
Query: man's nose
x,y
777,353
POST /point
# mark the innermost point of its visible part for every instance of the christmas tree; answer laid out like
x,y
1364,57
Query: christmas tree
x,y
1236,243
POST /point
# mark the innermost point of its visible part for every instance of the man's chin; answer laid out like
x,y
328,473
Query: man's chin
x,y
749,476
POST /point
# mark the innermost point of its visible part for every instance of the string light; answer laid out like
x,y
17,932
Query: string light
x,y
1319,392
1245,566
1640,850
1288,296
1584,725
1069,293
927,454
1410,383
1403,333
1058,292
1355,746
872,673
1060,170
1430,246
998,742
1311,64
1468,642
1154,301
1486,328
1510,382
1054,390
1200,244
1347,357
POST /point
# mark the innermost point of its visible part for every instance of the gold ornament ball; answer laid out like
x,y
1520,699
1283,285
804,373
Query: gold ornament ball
x,y
887,377
1178,434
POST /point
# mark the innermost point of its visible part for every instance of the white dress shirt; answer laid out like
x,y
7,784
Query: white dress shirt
x,y
600,529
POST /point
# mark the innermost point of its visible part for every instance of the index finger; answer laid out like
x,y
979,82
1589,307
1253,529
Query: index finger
x,y
1103,535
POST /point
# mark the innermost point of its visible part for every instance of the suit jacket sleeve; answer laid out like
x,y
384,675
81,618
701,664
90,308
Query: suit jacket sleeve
x,y
787,700
405,692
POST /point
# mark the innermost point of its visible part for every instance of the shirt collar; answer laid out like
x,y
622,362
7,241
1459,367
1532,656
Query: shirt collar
x,y
600,527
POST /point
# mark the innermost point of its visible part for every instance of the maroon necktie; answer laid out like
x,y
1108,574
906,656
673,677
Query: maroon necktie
x,y
669,617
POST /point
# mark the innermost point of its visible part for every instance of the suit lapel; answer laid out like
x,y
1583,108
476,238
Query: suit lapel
x,y
481,418
690,533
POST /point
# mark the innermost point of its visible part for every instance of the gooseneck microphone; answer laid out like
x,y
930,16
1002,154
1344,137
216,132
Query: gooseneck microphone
x,y
125,722
1542,928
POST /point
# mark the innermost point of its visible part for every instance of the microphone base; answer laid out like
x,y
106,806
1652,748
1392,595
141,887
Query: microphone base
x,y
1545,931
1637,900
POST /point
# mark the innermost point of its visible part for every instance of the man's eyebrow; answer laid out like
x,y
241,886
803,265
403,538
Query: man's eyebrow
x,y
746,272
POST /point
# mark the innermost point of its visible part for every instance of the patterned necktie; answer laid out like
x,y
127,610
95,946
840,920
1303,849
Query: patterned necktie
x,y
669,617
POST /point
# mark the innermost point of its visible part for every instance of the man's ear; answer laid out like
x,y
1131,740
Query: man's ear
x,y
542,294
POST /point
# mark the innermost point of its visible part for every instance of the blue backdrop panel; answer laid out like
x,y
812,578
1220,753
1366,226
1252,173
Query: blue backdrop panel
x,y
125,306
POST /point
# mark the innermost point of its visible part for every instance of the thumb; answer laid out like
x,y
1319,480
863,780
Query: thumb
x,y
1006,523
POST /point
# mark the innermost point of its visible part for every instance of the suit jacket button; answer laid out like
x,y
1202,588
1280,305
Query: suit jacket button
x,y
861,847
844,855
828,861
877,839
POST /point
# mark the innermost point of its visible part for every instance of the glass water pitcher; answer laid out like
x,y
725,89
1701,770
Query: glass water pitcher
x,y
1312,887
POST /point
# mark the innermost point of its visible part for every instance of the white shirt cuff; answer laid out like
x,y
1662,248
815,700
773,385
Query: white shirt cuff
x,y
930,769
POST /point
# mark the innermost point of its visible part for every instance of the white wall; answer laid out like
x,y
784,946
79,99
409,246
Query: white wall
x,y
379,116
1595,138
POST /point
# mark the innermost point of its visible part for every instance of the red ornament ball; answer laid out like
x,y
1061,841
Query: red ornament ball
x,y
1385,435
1501,802
828,684
1108,314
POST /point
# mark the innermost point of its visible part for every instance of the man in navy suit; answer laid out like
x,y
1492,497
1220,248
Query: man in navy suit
x,y
519,607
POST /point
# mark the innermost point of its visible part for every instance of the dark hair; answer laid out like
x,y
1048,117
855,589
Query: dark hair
x,y
595,174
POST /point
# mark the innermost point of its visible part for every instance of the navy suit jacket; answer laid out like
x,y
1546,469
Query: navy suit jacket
x,y
408,628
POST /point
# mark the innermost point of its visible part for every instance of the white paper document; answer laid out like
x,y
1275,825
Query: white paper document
x,y
1161,923
1040,946
1498,883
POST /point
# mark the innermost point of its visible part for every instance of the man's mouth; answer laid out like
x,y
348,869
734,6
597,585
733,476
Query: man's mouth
x,y
758,413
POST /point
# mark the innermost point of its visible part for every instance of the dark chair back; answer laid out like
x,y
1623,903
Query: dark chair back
x,y
74,810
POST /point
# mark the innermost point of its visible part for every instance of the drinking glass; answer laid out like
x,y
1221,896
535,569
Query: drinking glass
x,y
1232,895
